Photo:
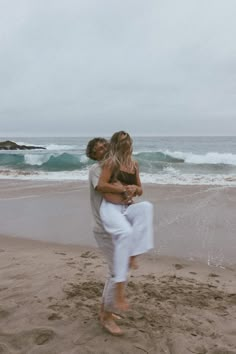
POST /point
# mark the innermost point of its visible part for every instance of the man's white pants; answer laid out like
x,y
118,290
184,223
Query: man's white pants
x,y
131,229
104,241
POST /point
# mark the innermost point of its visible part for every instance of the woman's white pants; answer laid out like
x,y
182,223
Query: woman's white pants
x,y
131,229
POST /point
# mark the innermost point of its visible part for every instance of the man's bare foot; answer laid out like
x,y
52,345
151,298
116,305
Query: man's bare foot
x,y
116,317
133,263
110,326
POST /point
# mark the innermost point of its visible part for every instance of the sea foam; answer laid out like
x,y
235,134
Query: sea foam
x,y
208,158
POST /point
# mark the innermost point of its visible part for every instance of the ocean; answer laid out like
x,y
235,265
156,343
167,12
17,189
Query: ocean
x,y
162,160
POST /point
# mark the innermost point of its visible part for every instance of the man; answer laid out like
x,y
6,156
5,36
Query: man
x,y
96,150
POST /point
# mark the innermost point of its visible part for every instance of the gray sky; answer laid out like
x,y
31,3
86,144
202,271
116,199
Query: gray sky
x,y
151,67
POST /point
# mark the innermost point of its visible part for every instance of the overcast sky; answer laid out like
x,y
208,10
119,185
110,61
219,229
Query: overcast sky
x,y
91,67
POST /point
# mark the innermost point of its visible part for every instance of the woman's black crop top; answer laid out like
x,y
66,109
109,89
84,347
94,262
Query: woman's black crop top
x,y
126,177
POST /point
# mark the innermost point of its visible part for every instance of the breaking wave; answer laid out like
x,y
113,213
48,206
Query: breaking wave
x,y
155,166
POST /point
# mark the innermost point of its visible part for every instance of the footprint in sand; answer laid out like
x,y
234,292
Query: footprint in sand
x,y
43,335
25,340
178,266
150,276
85,254
4,349
54,316
88,254
70,263
3,313
213,275
61,253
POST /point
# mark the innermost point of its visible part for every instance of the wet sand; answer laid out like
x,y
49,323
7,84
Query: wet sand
x,y
193,222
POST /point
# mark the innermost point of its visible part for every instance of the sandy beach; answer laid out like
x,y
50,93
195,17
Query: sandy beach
x,y
182,297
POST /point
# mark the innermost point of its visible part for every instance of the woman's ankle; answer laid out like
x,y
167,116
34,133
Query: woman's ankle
x,y
133,262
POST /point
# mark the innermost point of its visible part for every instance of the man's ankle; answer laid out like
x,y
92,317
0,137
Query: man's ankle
x,y
107,315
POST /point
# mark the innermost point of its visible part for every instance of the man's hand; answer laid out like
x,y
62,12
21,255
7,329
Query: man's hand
x,y
131,190
129,193
118,184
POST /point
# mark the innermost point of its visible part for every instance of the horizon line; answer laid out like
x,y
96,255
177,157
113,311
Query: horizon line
x,y
107,135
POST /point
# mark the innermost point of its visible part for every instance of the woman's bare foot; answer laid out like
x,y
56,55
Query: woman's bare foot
x,y
133,263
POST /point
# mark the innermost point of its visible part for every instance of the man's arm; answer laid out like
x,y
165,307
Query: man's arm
x,y
104,186
114,192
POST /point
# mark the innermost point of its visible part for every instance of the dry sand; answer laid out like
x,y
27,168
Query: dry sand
x,y
50,296
50,293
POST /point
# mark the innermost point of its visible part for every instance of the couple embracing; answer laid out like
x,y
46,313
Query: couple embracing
x,y
123,227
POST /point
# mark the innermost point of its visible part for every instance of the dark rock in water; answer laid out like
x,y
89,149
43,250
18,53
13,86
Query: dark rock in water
x,y
10,145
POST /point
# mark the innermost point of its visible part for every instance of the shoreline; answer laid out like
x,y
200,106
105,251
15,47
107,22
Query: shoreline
x,y
77,179
26,244
12,239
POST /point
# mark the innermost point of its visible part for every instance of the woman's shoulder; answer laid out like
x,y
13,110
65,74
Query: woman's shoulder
x,y
131,168
108,163
135,163
136,166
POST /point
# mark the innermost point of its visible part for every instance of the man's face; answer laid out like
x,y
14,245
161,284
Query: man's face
x,y
100,150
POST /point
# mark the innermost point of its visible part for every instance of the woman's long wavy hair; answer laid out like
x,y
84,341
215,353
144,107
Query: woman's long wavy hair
x,y
120,153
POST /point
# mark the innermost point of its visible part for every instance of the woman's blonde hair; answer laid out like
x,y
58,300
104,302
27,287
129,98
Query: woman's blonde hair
x,y
118,155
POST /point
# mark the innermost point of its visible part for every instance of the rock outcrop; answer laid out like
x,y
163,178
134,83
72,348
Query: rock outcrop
x,y
10,145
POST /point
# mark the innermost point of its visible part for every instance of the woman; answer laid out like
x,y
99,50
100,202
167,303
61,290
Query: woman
x,y
129,223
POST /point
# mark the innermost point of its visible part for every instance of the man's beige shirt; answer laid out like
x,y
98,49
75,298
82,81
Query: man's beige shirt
x,y
95,197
